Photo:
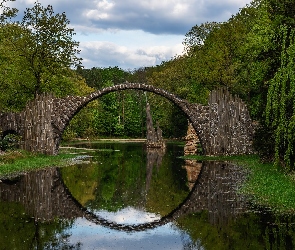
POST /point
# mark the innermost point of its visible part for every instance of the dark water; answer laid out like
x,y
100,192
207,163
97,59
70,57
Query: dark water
x,y
124,197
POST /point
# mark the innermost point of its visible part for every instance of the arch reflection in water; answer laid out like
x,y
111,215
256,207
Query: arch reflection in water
x,y
45,196
211,214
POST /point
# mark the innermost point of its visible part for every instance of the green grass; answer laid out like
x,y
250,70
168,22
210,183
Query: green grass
x,y
22,161
266,186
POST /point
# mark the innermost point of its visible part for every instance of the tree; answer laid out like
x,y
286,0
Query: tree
x,y
280,108
37,55
197,35
268,64
98,77
7,12
47,45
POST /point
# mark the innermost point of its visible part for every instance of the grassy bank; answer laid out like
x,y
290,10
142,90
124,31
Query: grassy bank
x,y
22,161
266,186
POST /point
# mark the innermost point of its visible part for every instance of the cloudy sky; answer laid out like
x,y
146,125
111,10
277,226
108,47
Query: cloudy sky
x,y
135,33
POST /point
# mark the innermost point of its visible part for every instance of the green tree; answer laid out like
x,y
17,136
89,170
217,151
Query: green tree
x,y
98,77
267,65
280,109
119,113
47,45
197,35
37,55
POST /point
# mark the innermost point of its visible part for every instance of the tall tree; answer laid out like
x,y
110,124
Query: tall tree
x,y
37,55
47,44
268,65
280,109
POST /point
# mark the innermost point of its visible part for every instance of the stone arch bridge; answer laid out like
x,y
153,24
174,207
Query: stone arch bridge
x,y
223,126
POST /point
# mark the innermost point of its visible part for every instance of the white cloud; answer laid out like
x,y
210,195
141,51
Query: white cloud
x,y
101,10
132,33
96,14
106,53
27,1
154,16
180,9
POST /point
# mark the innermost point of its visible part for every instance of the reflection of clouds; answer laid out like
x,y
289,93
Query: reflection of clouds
x,y
129,215
93,236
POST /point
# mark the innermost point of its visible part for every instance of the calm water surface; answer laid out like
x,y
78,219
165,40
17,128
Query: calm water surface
x,y
125,197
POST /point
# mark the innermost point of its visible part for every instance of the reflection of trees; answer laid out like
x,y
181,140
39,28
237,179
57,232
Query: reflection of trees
x,y
45,197
118,180
41,199
165,181
260,230
212,214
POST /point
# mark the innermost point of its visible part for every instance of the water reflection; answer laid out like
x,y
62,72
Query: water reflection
x,y
193,169
215,191
154,159
70,207
42,194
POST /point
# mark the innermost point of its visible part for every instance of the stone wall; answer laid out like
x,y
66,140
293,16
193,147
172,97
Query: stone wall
x,y
33,124
224,127
230,126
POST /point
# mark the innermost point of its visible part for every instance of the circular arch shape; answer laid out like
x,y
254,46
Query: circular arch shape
x,y
178,211
70,106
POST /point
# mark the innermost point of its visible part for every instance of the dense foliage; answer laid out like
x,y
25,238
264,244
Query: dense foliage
x,y
36,56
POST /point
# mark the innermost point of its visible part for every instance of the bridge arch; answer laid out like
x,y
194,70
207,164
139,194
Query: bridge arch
x,y
66,109
224,126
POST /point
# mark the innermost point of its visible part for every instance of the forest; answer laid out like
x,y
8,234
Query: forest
x,y
252,54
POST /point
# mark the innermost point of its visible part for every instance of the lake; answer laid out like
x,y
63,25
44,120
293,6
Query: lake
x,y
122,196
